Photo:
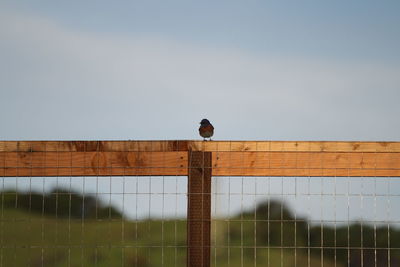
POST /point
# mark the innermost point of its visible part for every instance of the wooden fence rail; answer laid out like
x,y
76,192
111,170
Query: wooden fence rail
x,y
229,158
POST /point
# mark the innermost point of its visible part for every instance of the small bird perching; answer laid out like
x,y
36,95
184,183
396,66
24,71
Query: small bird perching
x,y
206,129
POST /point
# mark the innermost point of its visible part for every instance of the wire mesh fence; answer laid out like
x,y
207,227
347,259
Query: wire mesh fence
x,y
306,221
146,204
93,221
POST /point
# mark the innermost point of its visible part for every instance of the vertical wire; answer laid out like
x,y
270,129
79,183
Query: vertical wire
x,y
16,198
309,213
2,211
281,221
109,168
149,214
362,219
348,214
229,206
388,220
375,210
188,194
334,218
203,196
375,220
30,209
255,222
162,216
295,210
123,249
241,220
176,218
216,192
43,203
282,200
269,206
202,207
214,199
255,215
175,221
83,220
56,193
322,211
295,220
83,208
97,198
136,211
69,210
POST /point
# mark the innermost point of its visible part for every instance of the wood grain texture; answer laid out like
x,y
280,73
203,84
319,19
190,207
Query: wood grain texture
x,y
92,163
294,146
91,146
186,145
199,209
305,164
230,158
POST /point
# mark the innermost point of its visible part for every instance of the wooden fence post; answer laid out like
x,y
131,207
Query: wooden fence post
x,y
199,209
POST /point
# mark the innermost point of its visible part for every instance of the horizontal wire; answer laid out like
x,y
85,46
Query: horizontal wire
x,y
306,247
230,151
186,167
183,246
217,194
89,246
212,220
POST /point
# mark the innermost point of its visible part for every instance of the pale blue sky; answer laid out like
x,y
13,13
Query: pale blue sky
x,y
281,70
358,30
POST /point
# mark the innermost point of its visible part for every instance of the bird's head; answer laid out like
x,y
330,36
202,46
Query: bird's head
x,y
204,122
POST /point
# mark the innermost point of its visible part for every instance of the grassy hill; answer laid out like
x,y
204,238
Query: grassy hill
x,y
70,230
29,239
297,242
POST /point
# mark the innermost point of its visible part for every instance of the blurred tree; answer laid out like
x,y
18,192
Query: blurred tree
x,y
60,203
355,244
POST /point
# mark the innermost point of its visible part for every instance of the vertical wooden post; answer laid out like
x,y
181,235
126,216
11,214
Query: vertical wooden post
x,y
199,209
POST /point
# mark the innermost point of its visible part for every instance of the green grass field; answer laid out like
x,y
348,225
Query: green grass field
x,y
35,235
30,240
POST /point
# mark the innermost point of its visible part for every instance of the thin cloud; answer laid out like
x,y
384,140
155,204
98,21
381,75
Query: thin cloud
x,y
111,79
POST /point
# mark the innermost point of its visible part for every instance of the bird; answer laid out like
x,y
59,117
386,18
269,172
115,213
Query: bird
x,y
206,129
